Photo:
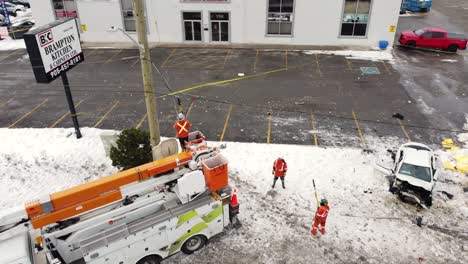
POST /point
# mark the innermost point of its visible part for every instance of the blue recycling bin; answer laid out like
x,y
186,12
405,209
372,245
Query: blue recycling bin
x,y
383,44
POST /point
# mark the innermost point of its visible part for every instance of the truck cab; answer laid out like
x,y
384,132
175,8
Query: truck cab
x,y
433,38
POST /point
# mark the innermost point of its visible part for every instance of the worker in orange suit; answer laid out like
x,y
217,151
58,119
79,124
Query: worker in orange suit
x,y
182,127
321,217
279,171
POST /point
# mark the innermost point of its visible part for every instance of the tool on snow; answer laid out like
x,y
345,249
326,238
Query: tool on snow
x,y
316,196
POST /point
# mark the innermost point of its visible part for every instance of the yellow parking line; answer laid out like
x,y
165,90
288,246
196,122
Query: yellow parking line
x,y
404,130
350,67
136,61
223,82
189,109
286,58
314,130
269,128
363,141
167,59
226,123
65,115
91,52
29,113
106,114
386,68
227,57
4,103
141,121
256,60
111,57
318,65
10,54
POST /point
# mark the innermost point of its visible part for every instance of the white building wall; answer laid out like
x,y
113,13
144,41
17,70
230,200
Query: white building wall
x,y
316,22
42,11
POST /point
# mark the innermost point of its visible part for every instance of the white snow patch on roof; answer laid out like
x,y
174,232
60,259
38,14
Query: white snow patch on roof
x,y
373,55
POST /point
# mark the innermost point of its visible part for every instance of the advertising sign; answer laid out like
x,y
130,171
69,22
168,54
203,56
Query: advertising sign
x,y
54,49
5,12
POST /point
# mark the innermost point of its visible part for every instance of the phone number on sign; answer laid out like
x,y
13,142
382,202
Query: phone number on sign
x,y
65,66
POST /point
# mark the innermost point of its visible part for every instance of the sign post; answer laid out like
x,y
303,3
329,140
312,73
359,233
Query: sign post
x,y
53,50
71,105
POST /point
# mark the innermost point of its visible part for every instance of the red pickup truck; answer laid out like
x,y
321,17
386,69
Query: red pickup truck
x,y
433,38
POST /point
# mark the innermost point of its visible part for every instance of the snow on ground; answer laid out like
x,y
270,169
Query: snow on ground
x,y
448,60
373,55
11,44
40,161
367,224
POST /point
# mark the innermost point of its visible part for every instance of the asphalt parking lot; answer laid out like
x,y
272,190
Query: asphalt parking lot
x,y
281,96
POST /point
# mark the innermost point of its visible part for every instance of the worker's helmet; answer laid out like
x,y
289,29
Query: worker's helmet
x,y
324,202
181,116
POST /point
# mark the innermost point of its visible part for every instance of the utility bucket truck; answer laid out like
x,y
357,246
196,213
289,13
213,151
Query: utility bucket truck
x,y
141,215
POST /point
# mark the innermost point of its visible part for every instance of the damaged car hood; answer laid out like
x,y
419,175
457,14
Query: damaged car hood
x,y
416,182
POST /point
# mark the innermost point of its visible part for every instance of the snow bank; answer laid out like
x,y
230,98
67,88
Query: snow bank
x,y
40,161
367,224
373,55
11,44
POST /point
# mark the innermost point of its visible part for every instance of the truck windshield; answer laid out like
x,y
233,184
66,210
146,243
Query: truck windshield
x,y
419,172
419,31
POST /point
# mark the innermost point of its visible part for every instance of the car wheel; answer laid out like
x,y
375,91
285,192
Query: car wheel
x,y
14,14
151,259
453,48
411,44
193,244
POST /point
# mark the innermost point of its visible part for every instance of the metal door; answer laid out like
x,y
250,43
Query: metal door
x,y
219,27
192,26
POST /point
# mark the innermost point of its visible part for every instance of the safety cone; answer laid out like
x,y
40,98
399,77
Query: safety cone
x,y
233,207
234,202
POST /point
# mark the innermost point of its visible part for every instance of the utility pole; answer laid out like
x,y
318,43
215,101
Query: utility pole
x,y
147,74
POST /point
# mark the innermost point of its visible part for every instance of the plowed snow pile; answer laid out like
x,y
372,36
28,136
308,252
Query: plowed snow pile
x,y
366,224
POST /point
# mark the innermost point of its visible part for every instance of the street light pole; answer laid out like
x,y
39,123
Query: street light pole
x,y
147,75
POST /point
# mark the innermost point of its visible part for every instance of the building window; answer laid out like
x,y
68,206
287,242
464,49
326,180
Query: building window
x,y
192,26
280,17
65,8
355,18
128,15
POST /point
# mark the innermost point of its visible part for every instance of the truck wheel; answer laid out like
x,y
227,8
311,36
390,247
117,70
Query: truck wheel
x,y
193,244
151,259
453,48
411,44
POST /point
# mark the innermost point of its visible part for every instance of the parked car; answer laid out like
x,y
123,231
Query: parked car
x,y
20,27
24,3
13,9
414,173
434,38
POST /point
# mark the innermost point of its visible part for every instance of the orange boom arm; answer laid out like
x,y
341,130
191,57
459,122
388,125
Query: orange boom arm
x,y
94,194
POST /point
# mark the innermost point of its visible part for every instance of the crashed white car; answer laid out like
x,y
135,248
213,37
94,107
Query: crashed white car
x,y
414,174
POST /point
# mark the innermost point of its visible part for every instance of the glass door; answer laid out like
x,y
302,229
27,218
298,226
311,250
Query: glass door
x,y
192,26
219,27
